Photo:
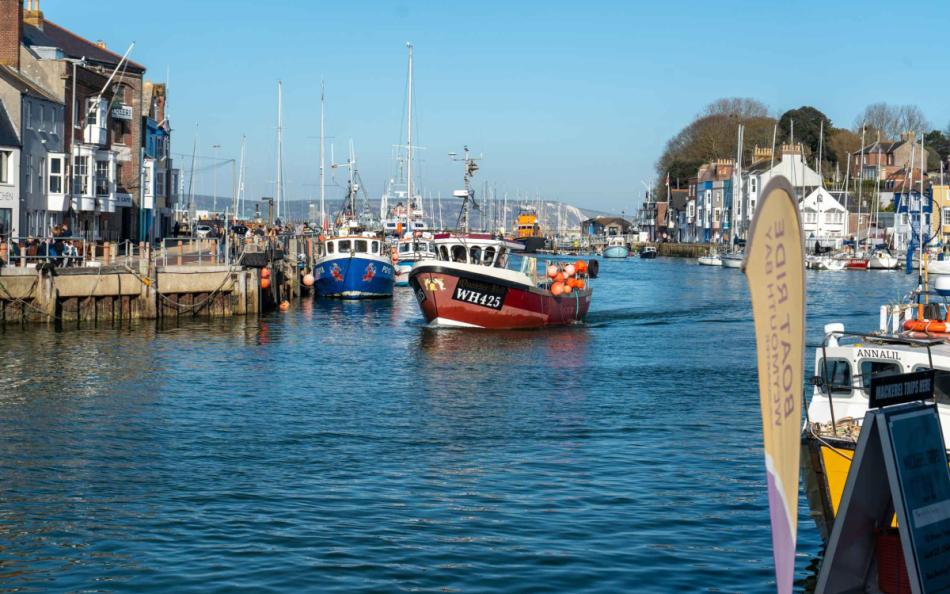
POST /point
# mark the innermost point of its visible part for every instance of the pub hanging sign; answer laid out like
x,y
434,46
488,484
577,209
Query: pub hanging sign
x,y
122,112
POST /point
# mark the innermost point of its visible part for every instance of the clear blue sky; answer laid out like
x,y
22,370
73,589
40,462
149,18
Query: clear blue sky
x,y
572,99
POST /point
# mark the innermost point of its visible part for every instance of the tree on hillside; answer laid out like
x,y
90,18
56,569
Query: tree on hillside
x,y
714,136
938,148
890,120
808,123
841,142
741,107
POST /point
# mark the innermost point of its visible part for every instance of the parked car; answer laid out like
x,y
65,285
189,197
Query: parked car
x,y
202,231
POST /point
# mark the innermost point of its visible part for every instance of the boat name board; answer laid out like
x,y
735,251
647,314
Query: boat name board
x,y
479,293
879,354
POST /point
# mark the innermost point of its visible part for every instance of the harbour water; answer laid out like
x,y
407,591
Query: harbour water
x,y
344,447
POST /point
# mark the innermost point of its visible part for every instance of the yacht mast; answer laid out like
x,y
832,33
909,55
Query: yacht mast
x,y
409,148
323,186
278,189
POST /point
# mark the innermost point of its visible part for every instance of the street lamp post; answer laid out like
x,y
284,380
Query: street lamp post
x,y
214,192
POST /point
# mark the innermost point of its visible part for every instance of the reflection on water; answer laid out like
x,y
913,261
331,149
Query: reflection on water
x,y
345,446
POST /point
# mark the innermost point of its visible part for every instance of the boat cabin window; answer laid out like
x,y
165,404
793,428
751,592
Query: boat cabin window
x,y
404,248
476,253
941,384
375,249
458,253
361,245
443,253
502,261
873,369
489,256
836,374
329,247
344,245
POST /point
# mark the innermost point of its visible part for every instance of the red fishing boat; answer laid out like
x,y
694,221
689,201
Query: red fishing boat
x,y
470,286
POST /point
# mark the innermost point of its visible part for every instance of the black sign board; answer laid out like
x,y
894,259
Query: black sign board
x,y
480,293
898,389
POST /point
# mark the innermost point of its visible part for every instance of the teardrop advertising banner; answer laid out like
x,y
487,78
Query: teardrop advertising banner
x,y
775,270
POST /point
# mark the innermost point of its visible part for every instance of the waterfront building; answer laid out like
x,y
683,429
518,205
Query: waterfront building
x,y
9,177
791,164
692,234
36,117
941,223
605,227
824,219
912,209
102,122
160,178
678,227
881,159
646,218
713,198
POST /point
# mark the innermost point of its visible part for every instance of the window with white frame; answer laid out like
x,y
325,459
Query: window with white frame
x,y
6,164
752,184
40,172
160,183
56,169
811,217
946,216
81,175
102,178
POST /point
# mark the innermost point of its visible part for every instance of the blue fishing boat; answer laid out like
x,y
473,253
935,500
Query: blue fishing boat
x,y
616,248
410,250
354,267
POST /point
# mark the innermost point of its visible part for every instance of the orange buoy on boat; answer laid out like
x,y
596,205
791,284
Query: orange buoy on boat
x,y
559,277
552,271
265,282
557,289
580,266
308,280
265,272
568,289
925,326
579,284
569,270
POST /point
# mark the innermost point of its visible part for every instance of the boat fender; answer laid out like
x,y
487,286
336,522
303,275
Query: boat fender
x,y
593,267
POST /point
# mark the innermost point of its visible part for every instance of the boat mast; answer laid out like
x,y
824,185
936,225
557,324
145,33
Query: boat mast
x,y
236,207
323,204
280,147
860,184
409,139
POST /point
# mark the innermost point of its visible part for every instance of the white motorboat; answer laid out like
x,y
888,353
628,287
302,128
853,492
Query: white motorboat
x,y
883,260
733,260
938,267
710,259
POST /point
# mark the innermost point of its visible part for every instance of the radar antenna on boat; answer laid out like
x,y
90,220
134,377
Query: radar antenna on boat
x,y
468,194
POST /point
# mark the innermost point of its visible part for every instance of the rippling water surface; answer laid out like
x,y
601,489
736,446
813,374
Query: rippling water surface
x,y
344,447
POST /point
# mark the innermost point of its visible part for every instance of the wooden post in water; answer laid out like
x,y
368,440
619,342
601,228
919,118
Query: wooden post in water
x,y
180,251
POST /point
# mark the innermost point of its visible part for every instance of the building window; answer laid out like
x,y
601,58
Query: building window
x,y
29,115
81,175
92,112
160,183
56,174
102,178
29,174
946,216
6,160
6,222
752,184
40,172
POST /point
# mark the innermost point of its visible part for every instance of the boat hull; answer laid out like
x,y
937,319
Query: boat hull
x,y
730,262
465,299
354,277
709,261
857,264
883,262
616,251
648,255
403,268
531,244
938,267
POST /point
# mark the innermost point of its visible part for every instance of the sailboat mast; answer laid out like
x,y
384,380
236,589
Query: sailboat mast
x,y
409,123
280,147
323,185
860,184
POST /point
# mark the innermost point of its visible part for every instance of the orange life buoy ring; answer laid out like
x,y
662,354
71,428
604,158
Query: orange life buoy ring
x,y
925,326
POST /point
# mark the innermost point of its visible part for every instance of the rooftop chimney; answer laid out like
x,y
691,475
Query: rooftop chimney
x,y
11,32
33,15
101,44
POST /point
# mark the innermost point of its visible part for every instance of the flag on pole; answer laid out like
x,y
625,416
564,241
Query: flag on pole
x,y
775,270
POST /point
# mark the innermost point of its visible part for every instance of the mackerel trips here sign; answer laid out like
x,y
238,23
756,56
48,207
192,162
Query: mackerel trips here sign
x,y
905,387
775,270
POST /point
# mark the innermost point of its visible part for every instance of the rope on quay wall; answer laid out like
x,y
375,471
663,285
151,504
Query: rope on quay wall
x,y
43,311
179,307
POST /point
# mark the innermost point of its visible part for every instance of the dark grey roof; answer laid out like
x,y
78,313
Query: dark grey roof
x,y
880,147
74,46
8,136
679,198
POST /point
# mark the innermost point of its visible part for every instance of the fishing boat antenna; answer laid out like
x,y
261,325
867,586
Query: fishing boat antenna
x,y
467,195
